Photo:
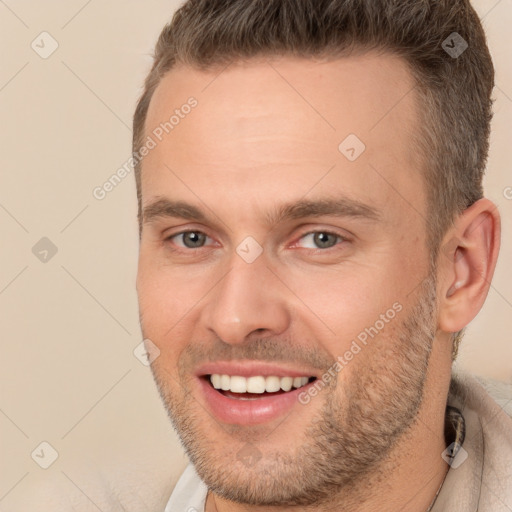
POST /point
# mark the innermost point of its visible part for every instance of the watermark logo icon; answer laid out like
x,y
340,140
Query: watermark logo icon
x,y
249,249
146,352
449,249
352,147
455,45
454,455
44,250
44,455
249,455
44,45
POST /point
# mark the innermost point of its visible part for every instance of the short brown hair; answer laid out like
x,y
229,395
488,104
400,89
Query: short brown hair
x,y
454,91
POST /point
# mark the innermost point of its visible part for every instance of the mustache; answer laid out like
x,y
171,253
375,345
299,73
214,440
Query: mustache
x,y
270,349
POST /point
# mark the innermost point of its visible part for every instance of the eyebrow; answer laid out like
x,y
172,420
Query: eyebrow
x,y
338,207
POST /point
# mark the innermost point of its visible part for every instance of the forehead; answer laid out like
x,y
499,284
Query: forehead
x,y
284,122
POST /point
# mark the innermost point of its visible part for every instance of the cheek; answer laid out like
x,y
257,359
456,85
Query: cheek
x,y
347,300
168,298
163,321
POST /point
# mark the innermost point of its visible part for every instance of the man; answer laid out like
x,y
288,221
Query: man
x,y
314,239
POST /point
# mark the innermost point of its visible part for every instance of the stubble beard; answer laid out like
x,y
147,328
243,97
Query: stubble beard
x,y
362,418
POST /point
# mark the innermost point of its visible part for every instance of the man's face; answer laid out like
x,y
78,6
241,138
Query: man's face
x,y
298,253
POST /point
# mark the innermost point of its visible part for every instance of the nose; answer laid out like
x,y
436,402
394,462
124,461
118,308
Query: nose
x,y
248,300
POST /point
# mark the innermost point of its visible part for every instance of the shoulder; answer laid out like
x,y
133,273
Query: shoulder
x,y
500,392
489,398
487,408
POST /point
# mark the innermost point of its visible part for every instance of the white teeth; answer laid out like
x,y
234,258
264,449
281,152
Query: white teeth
x,y
215,379
286,383
225,382
272,384
256,383
238,384
299,381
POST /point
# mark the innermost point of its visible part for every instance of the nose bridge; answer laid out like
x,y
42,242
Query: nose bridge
x,y
248,298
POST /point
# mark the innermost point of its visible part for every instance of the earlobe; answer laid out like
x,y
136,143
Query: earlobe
x,y
466,264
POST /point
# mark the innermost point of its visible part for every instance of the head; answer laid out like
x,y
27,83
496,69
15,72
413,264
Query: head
x,y
328,170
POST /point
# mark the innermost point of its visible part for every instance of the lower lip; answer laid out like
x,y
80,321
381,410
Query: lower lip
x,y
249,412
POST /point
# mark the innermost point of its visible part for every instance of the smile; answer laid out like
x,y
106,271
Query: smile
x,y
250,393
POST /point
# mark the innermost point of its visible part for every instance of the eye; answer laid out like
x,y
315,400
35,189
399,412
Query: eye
x,y
189,239
319,240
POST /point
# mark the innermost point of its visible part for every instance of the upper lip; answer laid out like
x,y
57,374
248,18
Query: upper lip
x,y
253,368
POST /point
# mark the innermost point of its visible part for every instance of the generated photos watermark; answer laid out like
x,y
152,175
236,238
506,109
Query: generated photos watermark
x,y
152,140
355,348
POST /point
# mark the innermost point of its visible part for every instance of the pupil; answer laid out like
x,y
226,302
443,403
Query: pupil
x,y
193,239
324,239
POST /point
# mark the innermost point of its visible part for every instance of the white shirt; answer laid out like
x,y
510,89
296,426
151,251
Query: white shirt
x,y
189,495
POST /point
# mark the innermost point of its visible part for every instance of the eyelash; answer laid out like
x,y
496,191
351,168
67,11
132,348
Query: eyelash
x,y
339,238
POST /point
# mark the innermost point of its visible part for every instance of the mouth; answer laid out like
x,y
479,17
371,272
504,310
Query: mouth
x,y
252,393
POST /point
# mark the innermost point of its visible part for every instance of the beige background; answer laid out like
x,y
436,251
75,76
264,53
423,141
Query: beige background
x,y
70,325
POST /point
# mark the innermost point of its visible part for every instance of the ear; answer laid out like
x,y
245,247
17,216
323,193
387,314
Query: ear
x,y
466,264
